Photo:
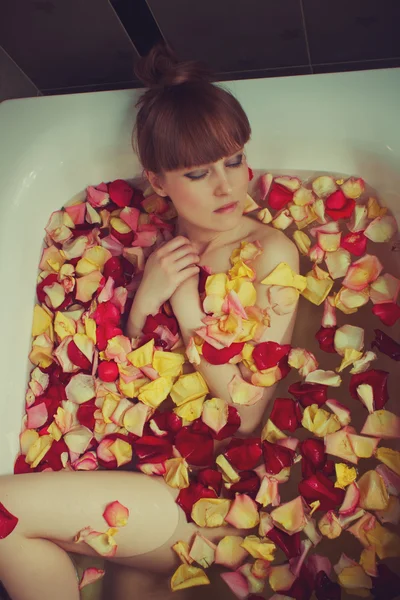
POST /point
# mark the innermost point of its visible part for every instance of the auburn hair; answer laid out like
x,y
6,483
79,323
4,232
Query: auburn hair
x,y
183,119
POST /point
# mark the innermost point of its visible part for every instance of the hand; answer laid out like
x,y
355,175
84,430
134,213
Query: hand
x,y
166,269
185,303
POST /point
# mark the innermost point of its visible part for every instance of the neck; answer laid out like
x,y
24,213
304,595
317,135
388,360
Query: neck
x,y
200,237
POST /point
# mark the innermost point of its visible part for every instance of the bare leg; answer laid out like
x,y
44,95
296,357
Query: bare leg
x,y
53,507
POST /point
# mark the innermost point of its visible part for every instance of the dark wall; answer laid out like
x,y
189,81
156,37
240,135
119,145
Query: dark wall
x,y
66,46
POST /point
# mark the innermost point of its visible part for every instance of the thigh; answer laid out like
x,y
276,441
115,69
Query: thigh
x,y
57,505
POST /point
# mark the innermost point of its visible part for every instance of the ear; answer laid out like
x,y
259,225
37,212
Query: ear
x,y
156,184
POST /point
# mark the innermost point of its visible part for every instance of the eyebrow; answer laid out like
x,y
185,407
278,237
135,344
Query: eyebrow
x,y
199,168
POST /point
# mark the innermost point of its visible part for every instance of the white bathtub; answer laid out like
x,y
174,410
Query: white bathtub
x,y
53,147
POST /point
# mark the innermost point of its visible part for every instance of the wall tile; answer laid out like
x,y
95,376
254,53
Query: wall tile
x,y
13,82
352,30
62,43
233,35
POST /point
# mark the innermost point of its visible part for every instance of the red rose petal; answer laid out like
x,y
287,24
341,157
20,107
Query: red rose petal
x,y
169,422
279,196
286,414
249,484
21,466
319,487
196,448
203,274
309,393
49,280
355,243
152,322
325,337
210,478
300,590
337,206
106,312
251,174
268,354
113,268
189,496
244,454
7,522
276,457
387,312
85,414
120,192
325,588
231,427
151,449
314,456
221,357
106,332
385,344
77,357
289,544
108,371
377,379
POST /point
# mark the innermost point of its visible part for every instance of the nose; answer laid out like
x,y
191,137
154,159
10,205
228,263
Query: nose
x,y
222,185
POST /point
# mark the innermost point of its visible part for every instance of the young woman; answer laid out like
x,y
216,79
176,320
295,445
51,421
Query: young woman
x,y
190,137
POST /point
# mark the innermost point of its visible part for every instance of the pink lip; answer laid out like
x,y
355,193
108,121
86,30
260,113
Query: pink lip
x,y
228,208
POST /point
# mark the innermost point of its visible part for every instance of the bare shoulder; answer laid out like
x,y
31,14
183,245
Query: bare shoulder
x,y
277,247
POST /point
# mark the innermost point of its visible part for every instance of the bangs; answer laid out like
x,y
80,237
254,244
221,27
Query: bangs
x,y
189,125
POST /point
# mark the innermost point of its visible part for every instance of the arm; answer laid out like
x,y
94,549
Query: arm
x,y
187,309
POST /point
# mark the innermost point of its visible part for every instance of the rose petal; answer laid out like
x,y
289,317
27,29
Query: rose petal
x,y
286,414
244,454
8,522
187,576
116,514
355,243
319,487
90,575
377,379
308,393
381,229
387,312
276,457
386,345
362,272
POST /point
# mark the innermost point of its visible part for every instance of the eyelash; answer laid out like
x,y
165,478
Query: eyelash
x,y
237,164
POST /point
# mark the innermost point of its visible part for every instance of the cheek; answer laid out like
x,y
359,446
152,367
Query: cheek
x,y
187,200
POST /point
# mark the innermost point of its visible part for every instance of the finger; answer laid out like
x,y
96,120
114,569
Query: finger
x,y
183,251
172,245
186,261
187,273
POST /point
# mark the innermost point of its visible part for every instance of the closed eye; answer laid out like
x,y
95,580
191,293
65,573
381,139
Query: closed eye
x,y
237,163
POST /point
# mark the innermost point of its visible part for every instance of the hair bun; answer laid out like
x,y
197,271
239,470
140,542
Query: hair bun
x,y
161,68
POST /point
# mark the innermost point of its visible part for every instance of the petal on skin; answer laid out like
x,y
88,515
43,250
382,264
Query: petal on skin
x,y
116,515
264,215
244,393
155,392
190,411
187,576
210,512
90,575
390,458
283,275
264,183
141,356
282,299
103,543
8,522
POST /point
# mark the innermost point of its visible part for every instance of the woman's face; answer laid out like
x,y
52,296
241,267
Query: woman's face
x,y
209,196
